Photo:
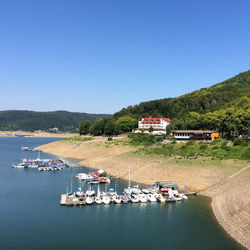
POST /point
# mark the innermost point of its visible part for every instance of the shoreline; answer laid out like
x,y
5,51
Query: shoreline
x,y
35,134
231,208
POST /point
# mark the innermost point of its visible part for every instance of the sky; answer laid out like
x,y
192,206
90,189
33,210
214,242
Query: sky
x,y
99,56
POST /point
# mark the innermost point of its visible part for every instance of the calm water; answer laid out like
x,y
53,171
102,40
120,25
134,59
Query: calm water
x,y
31,217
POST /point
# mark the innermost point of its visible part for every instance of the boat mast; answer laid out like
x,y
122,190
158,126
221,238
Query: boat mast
x,y
155,175
137,173
98,190
129,183
71,180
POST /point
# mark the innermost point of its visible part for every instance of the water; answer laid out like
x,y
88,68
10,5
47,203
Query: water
x,y
31,217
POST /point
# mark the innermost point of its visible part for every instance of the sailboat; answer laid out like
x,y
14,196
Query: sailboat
x,y
116,198
128,190
106,199
98,199
80,193
90,192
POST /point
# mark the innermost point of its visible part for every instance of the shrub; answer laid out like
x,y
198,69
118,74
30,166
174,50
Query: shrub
x,y
173,141
191,142
240,142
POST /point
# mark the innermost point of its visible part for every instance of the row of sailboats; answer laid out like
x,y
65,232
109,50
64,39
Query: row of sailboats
x,y
130,194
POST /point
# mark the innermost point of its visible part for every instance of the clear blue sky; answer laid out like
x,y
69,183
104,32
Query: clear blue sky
x,y
100,56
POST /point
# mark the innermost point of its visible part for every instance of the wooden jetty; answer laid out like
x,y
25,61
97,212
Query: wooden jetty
x,y
66,162
72,201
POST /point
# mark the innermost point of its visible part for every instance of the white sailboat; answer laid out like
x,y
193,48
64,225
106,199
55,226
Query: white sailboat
x,y
106,200
98,199
128,190
90,192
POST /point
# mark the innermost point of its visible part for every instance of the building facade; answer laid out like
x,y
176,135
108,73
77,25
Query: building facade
x,y
195,134
158,125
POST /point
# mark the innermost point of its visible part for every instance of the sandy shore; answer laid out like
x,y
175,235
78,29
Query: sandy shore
x,y
7,134
231,205
36,134
216,179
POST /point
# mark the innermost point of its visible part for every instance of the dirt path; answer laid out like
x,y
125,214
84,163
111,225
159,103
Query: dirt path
x,y
221,183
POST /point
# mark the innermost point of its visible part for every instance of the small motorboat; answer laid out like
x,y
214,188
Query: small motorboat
x,y
134,198
183,196
160,198
145,191
151,197
142,198
177,197
125,199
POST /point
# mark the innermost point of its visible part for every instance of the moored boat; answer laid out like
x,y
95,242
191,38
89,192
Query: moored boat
x,y
142,198
124,199
89,201
151,197
106,200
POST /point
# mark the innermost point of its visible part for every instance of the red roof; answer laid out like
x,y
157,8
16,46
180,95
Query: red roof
x,y
154,120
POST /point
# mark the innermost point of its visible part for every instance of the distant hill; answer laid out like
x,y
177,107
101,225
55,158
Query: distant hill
x,y
30,120
220,96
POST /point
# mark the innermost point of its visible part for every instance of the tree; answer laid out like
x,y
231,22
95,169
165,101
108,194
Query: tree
x,y
98,127
126,124
110,128
84,127
151,129
169,129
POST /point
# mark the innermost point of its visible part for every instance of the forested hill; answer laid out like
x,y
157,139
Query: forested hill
x,y
220,96
30,120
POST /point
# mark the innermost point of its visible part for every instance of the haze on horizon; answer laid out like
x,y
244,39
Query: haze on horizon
x,y
100,56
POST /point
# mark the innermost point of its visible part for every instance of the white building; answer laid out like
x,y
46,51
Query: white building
x,y
158,124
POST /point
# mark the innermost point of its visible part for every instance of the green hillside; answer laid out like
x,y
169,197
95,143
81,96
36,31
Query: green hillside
x,y
30,120
220,96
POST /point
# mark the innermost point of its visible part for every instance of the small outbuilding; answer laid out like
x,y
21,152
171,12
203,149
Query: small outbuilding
x,y
167,184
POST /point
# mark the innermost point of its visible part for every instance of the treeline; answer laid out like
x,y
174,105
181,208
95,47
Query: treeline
x,y
29,120
108,126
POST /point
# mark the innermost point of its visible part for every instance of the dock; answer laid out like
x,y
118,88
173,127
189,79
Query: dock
x,y
66,162
72,201
63,199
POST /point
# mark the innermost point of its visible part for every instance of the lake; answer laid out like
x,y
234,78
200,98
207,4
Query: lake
x,y
31,217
